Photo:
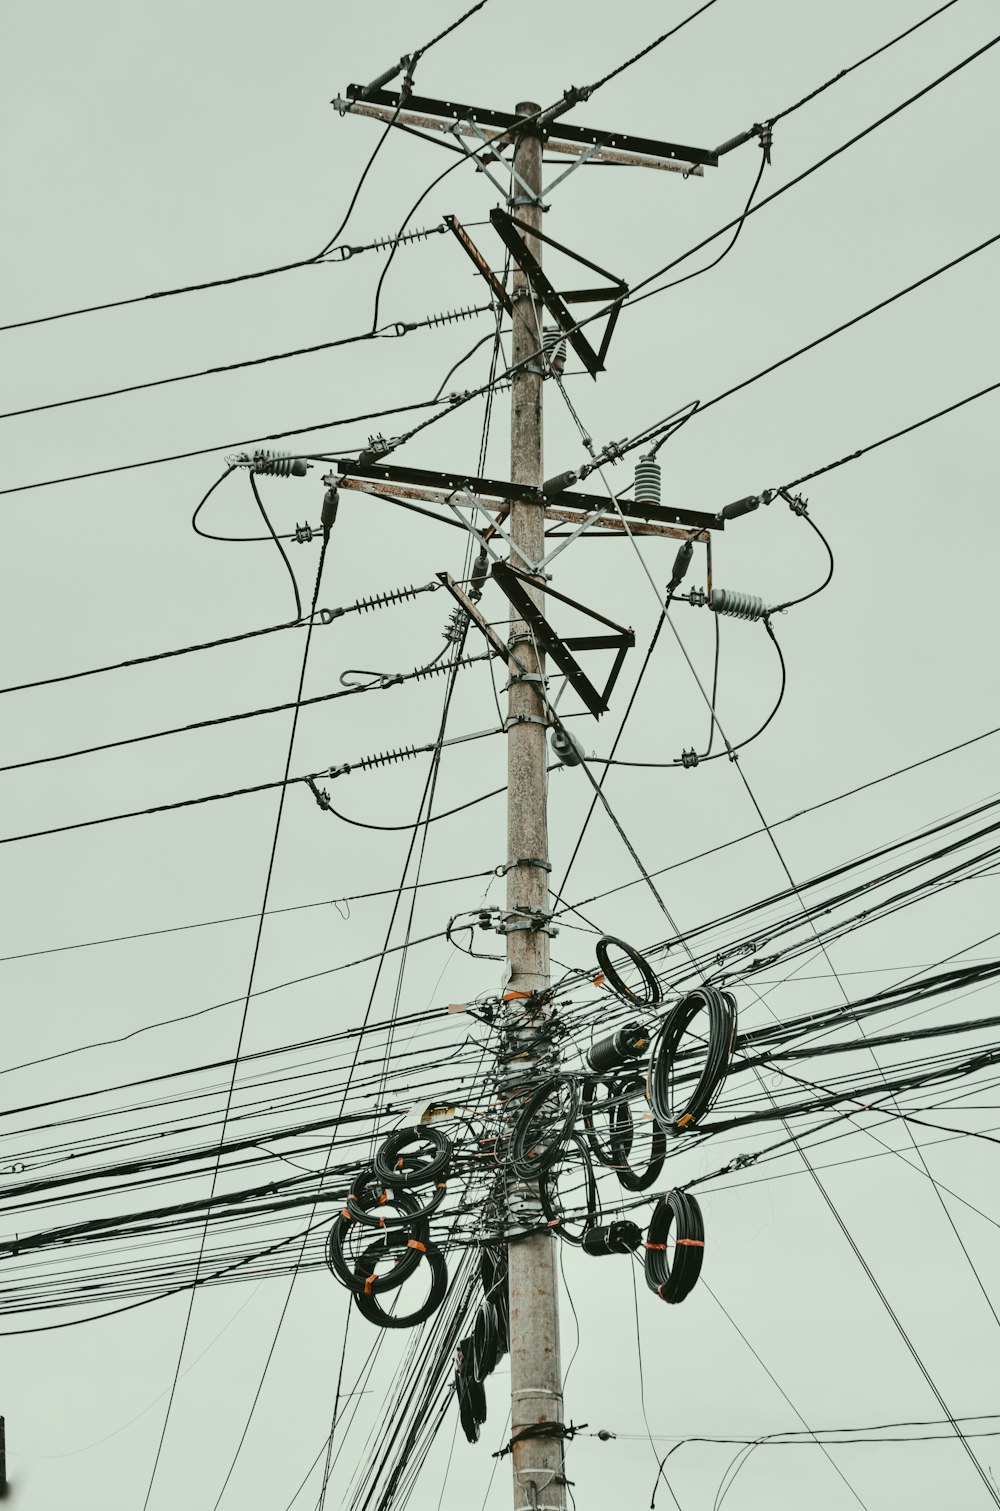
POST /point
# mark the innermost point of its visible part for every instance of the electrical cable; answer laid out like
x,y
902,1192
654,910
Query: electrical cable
x,y
394,330
895,436
382,685
283,787
821,89
183,456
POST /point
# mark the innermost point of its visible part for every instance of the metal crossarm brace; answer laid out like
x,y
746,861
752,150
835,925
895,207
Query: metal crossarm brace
x,y
469,247
512,125
506,228
454,482
511,581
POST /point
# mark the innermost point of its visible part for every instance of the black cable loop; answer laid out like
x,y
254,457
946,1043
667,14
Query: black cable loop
x,y
652,995
720,1008
554,1212
674,1279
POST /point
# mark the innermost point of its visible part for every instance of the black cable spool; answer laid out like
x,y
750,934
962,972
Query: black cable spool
x,y
547,1194
629,1043
367,1201
651,995
622,1140
538,1136
393,1245
398,1164
367,1301
485,1342
471,1395
674,1280
621,1237
720,1008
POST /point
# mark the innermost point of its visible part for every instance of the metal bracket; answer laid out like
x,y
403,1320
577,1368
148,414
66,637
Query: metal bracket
x,y
526,919
513,719
510,581
509,229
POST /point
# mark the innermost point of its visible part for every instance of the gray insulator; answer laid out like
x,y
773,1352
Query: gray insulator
x,y
738,605
279,464
647,481
554,345
566,747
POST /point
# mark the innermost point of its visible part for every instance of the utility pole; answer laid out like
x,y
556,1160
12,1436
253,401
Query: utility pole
x,y
535,1367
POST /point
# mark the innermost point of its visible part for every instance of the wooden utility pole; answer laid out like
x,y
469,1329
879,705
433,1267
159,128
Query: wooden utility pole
x,y
535,1368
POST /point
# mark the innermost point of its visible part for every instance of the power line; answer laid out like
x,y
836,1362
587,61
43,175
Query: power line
x,y
395,329
183,456
895,436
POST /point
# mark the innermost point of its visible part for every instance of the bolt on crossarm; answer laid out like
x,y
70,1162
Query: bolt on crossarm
x,y
536,1371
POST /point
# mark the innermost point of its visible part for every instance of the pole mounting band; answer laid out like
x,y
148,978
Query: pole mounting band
x,y
528,860
514,719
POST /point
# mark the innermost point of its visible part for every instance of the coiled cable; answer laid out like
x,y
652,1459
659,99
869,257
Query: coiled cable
x,y
651,995
674,1279
720,1009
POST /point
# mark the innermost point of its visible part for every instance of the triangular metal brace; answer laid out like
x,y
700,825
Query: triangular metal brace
x,y
510,581
509,228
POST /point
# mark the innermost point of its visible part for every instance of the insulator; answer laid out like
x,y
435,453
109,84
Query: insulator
x,y
681,563
558,484
385,758
382,600
279,464
554,346
622,1237
647,480
329,514
741,506
451,316
736,604
566,747
386,242
629,1043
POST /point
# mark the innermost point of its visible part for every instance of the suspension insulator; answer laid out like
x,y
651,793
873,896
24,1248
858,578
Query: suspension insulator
x,y
647,480
738,605
279,464
622,1237
629,1043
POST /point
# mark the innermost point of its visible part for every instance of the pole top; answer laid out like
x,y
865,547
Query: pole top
x,y
527,107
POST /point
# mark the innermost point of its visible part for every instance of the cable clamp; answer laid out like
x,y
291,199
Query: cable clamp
x,y
534,920
530,860
689,758
514,719
303,534
537,677
320,794
558,1430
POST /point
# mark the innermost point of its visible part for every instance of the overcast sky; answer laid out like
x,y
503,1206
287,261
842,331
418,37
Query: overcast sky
x,y
148,148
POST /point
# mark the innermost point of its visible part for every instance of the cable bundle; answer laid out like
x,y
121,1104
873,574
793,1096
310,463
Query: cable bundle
x,y
553,1208
543,1126
720,1008
380,1198
674,1280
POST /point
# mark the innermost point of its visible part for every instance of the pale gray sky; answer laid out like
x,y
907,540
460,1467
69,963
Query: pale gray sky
x,y
147,148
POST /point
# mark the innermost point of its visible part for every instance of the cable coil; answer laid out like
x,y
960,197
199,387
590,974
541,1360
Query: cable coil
x,y
673,1280
720,1008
